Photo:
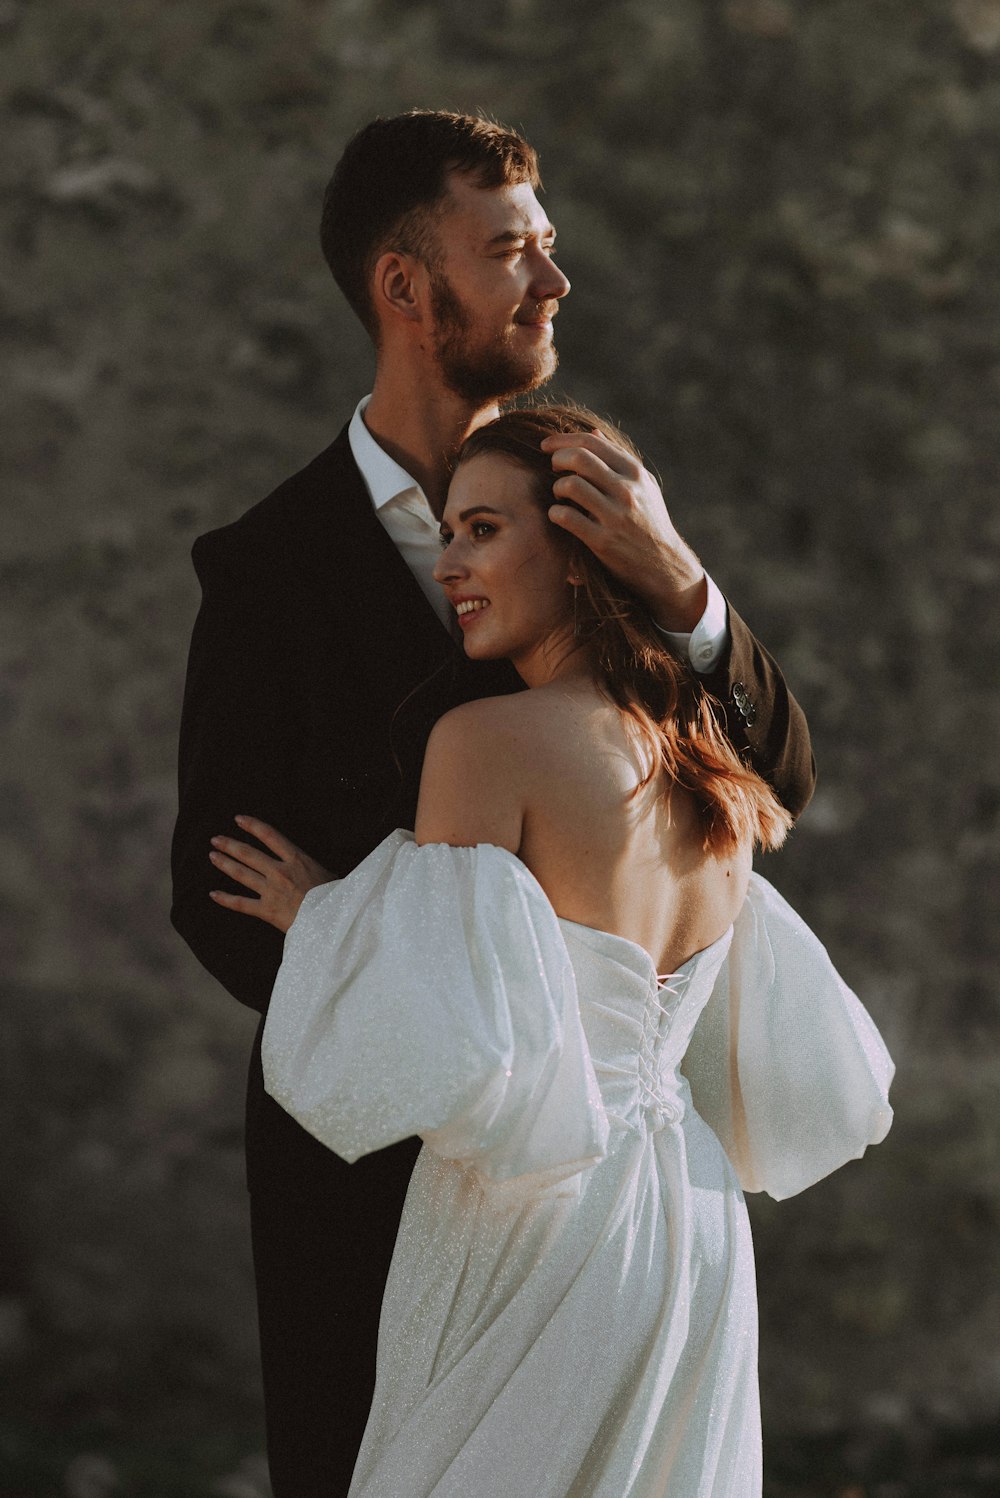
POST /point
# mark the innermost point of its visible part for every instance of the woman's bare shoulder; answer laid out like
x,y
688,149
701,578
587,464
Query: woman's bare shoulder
x,y
471,789
527,739
483,711
493,721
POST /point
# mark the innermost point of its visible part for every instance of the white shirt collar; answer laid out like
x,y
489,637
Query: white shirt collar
x,y
383,476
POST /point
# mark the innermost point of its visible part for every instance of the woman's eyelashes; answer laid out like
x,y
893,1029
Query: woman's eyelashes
x,y
478,530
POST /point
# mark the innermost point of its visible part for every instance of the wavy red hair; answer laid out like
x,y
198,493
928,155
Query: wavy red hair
x,y
672,719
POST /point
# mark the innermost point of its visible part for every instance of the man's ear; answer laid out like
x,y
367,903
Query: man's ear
x,y
395,286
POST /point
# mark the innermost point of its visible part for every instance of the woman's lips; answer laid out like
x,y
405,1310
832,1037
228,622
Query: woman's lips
x,y
469,616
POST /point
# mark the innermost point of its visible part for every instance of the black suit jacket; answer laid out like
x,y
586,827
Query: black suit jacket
x,y
317,669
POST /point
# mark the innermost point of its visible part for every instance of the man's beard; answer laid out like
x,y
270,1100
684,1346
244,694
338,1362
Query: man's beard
x,y
483,372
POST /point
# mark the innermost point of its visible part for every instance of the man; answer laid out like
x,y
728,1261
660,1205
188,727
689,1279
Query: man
x,y
322,655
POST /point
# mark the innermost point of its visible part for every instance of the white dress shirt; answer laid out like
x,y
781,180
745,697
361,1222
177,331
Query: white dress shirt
x,y
402,507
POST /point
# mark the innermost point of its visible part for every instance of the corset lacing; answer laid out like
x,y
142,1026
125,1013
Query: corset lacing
x,y
660,1106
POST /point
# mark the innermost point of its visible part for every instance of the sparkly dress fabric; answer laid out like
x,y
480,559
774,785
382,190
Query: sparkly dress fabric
x,y
571,1307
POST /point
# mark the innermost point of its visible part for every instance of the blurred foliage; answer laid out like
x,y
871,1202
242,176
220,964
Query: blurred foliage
x,y
781,219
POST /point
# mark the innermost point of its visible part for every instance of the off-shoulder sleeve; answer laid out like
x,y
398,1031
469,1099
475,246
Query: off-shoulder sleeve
x,y
431,993
785,1063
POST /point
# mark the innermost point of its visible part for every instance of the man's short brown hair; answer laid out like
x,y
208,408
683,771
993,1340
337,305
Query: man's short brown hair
x,y
392,174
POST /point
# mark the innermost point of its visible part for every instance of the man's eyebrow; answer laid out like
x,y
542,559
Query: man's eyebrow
x,y
513,236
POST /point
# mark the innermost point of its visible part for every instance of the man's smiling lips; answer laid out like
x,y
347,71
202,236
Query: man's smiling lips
x,y
542,317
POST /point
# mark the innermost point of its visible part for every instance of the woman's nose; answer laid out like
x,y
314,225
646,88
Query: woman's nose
x,y
448,564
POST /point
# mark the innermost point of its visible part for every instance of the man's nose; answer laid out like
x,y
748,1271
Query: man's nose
x,y
549,283
562,280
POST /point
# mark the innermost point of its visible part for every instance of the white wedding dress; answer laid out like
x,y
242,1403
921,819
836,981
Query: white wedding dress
x,y
571,1308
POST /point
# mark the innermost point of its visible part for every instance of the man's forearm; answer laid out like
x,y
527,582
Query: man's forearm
x,y
231,760
763,719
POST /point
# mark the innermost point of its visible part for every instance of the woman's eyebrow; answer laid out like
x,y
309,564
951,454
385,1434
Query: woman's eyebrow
x,y
479,510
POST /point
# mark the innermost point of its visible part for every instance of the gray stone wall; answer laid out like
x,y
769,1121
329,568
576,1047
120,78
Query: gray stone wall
x,y
780,218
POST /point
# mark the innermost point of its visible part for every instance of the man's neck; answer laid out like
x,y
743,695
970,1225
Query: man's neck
x,y
420,423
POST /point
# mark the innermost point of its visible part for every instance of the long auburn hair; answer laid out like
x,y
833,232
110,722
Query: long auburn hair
x,y
673,721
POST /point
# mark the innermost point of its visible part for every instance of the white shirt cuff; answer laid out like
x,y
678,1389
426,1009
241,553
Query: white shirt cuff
x,y
705,645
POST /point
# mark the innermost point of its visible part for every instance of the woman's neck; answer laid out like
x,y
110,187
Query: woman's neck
x,y
555,661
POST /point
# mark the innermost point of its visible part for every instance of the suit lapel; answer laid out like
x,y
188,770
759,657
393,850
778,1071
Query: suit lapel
x,y
401,668
346,549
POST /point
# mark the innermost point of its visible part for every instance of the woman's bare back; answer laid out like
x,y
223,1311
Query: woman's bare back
x,y
607,855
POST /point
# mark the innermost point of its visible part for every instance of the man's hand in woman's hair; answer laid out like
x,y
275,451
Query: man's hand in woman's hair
x,y
610,502
280,883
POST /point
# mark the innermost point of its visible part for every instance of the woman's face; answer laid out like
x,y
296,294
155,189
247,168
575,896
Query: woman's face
x,y
504,568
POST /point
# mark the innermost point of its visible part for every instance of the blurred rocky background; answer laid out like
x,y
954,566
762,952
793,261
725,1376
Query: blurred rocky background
x,y
781,221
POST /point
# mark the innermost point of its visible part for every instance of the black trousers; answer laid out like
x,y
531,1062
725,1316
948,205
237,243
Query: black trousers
x,y
322,1249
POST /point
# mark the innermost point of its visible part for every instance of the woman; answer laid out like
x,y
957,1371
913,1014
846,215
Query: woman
x,y
571,1307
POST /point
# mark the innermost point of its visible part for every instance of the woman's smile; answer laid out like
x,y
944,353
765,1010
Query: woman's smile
x,y
469,609
504,558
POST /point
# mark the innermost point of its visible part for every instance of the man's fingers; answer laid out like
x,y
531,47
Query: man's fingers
x,y
614,457
574,489
587,465
573,520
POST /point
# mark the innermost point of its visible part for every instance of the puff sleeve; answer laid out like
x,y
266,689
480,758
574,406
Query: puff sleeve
x,y
430,992
785,1064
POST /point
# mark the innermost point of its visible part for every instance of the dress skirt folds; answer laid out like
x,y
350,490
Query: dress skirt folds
x,y
571,1308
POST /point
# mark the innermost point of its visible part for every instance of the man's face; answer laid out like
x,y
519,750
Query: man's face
x,y
494,289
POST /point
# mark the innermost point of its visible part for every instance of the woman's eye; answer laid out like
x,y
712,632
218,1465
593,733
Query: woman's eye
x,y
481,528
443,540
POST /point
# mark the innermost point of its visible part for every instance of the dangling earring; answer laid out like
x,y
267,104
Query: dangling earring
x,y
576,608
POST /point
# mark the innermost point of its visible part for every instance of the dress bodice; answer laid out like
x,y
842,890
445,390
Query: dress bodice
x,y
435,991
570,1307
638,1024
